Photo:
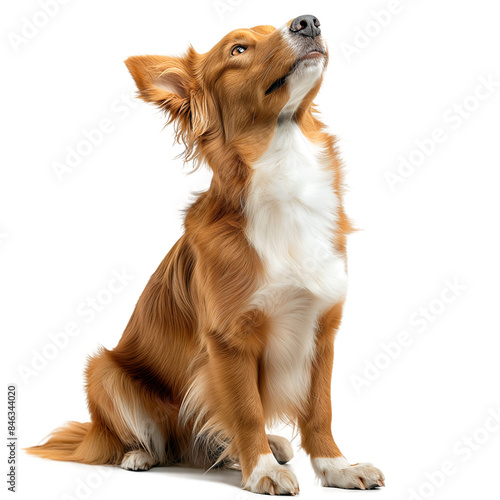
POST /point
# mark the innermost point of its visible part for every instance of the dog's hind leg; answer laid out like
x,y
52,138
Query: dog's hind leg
x,y
138,419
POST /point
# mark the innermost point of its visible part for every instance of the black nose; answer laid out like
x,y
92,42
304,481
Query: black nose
x,y
306,26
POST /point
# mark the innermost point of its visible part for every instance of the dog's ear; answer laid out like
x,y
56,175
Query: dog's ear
x,y
169,83
160,78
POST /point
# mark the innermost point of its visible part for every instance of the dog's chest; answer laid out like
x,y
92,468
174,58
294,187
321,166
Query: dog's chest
x,y
291,214
291,220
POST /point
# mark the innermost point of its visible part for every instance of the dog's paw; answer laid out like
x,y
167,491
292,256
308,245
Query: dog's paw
x,y
338,473
270,478
137,460
281,448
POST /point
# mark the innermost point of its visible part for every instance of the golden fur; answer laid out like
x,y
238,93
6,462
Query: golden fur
x,y
185,374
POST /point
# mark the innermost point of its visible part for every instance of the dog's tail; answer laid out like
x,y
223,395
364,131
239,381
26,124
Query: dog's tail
x,y
63,442
86,443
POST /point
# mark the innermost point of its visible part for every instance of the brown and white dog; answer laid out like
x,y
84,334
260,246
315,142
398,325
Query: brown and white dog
x,y
235,329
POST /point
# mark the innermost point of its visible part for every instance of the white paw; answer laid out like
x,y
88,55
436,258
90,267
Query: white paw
x,y
137,460
339,473
281,448
270,478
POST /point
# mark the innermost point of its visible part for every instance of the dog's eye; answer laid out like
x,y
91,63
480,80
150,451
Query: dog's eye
x,y
239,49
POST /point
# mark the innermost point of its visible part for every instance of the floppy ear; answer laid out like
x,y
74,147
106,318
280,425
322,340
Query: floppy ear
x,y
169,83
160,77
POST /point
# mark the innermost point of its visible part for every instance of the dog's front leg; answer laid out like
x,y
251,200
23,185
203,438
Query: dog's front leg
x,y
235,374
315,424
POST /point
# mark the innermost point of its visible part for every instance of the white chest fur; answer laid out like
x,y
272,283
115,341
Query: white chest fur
x,y
291,218
292,214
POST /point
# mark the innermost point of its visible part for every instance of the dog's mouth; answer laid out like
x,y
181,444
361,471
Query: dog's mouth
x,y
317,53
277,84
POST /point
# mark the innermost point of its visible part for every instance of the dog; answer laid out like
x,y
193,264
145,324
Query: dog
x,y
235,329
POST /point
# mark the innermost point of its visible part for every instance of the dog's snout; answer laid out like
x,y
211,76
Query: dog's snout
x,y
306,26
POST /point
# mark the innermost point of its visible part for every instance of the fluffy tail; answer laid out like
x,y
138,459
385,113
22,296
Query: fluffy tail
x,y
77,442
63,442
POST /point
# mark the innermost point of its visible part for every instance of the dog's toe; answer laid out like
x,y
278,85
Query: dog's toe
x,y
137,460
337,472
270,478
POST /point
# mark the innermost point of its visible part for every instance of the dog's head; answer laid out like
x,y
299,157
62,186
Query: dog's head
x,y
245,83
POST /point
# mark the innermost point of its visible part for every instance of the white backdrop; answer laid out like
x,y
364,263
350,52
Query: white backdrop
x,y
412,91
